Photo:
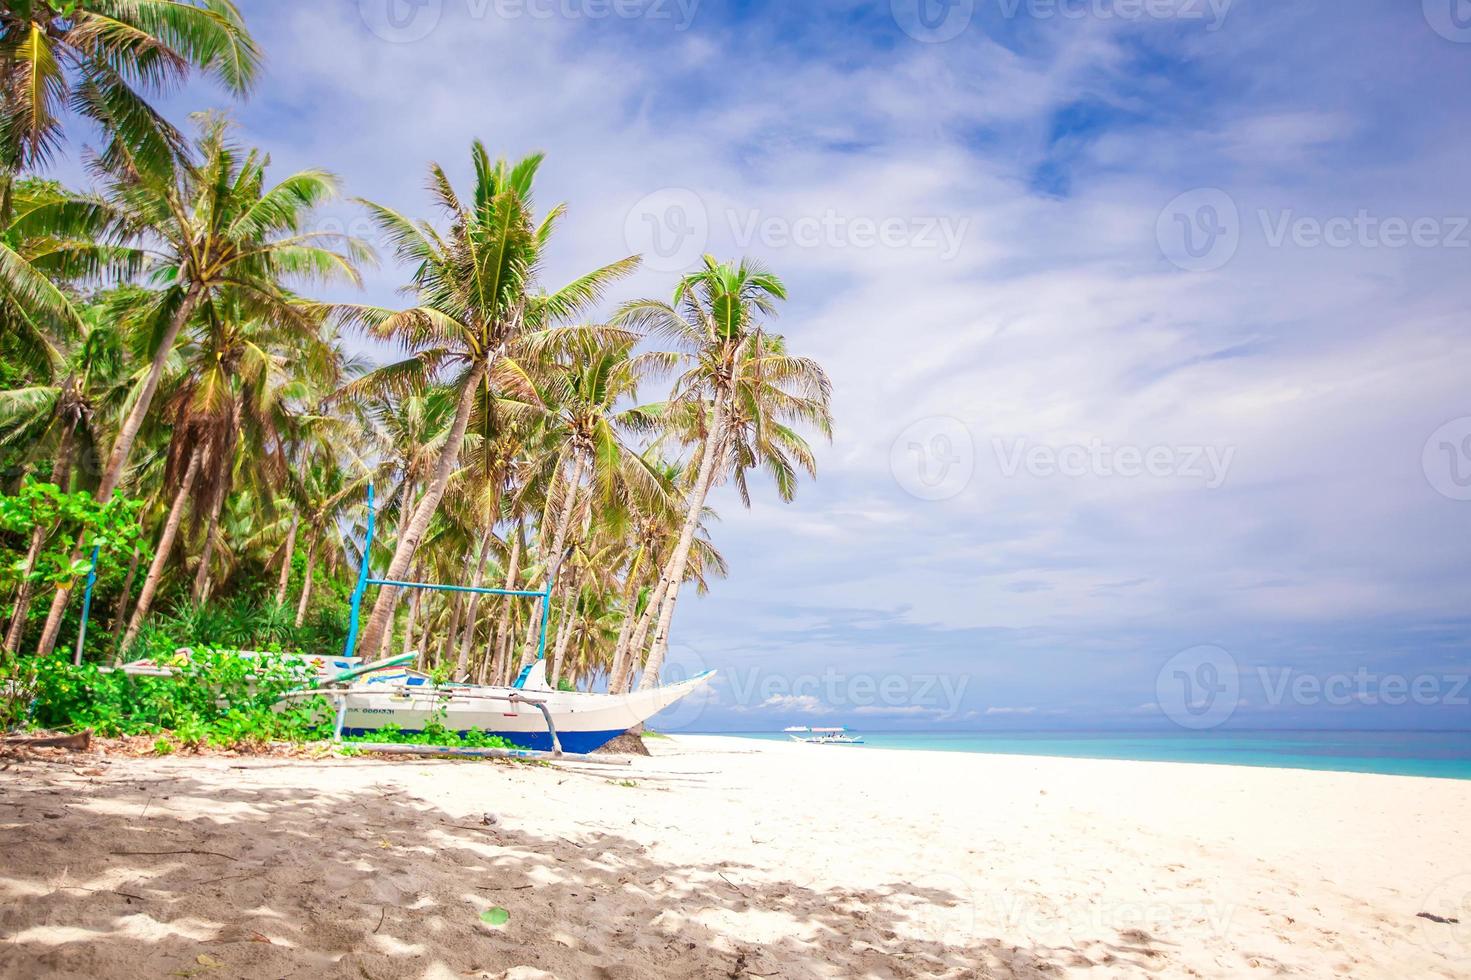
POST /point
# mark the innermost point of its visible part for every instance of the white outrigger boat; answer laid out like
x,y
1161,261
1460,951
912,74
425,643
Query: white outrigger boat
x,y
529,713
822,736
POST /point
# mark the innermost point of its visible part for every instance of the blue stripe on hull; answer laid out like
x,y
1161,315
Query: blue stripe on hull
x,y
580,742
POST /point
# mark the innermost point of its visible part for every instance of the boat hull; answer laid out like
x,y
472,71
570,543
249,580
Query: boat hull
x,y
583,721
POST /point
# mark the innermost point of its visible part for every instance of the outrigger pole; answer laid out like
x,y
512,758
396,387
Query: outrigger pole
x,y
365,580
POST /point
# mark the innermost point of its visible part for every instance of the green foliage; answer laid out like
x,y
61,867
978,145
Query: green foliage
x,y
112,527
435,733
215,697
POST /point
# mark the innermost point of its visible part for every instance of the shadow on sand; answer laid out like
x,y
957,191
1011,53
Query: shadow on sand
x,y
124,877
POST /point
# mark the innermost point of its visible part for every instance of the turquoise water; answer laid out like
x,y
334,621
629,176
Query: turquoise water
x,y
1442,754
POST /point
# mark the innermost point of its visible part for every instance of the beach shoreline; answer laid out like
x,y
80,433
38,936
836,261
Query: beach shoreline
x,y
729,856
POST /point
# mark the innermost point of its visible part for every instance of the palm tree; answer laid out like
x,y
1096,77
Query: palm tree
x,y
54,242
211,227
69,412
477,312
738,392
87,55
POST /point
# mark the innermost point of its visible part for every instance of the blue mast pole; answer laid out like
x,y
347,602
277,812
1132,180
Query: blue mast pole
x,y
362,586
87,605
546,610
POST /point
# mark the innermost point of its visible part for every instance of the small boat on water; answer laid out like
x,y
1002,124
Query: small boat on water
x,y
823,736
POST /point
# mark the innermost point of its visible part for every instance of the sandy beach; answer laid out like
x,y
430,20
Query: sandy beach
x,y
724,857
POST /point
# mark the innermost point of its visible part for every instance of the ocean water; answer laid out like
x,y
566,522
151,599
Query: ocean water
x,y
1445,755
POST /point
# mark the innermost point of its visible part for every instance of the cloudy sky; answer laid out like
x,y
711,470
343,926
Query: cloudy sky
x,y
1147,321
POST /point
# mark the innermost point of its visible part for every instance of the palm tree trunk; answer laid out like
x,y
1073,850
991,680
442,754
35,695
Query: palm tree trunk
x,y
161,557
464,658
639,641
409,624
617,672
564,629
120,611
122,449
286,560
503,631
61,476
23,596
559,541
674,572
408,543
201,576
447,643
306,582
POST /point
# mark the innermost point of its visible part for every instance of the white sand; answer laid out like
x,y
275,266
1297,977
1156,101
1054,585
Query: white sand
x,y
729,858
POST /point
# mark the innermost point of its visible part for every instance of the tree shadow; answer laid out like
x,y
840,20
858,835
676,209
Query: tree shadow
x,y
108,878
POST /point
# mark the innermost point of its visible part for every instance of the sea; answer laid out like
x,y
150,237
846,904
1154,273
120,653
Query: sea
x,y
1445,755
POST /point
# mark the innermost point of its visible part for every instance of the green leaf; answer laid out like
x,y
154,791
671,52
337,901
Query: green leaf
x,y
495,916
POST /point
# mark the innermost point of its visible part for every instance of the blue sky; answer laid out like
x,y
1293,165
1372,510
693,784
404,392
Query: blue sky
x,y
1147,321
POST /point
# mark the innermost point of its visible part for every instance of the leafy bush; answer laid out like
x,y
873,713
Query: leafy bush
x,y
215,697
435,733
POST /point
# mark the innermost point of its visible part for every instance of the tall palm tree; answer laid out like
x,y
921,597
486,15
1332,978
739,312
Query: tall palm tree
x,y
738,392
210,227
477,312
92,56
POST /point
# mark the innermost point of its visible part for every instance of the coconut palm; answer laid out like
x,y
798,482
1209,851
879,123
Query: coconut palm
x,y
211,227
92,56
69,412
738,392
478,311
